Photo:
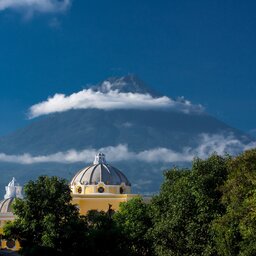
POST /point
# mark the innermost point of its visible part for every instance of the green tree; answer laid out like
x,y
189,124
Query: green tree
x,y
104,236
171,210
236,229
188,202
47,223
134,221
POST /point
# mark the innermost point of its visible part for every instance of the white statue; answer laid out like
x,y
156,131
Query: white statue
x,y
13,190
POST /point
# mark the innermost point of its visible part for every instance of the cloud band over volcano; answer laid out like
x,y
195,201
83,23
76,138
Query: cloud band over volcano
x,y
88,99
208,144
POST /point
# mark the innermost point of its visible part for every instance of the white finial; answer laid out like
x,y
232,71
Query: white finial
x,y
99,159
13,190
12,183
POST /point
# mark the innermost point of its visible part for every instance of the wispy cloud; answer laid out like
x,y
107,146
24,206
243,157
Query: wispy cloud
x,y
208,144
87,99
31,6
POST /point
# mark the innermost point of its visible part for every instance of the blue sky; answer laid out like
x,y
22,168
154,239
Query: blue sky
x,y
203,50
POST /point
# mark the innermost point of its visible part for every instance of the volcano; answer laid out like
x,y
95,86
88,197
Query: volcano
x,y
141,137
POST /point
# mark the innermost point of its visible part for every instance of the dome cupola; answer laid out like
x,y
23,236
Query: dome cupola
x,y
100,177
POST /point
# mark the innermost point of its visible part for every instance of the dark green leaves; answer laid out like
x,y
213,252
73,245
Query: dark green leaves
x,y
46,219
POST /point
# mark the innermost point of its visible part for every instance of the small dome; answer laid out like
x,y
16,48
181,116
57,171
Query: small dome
x,y
5,205
100,171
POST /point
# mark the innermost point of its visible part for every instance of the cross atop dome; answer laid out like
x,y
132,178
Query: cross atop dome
x,y
100,159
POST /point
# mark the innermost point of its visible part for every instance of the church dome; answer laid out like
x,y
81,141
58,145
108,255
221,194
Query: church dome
x,y
100,172
5,205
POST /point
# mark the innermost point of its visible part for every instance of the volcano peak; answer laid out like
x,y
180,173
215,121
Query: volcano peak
x,y
125,84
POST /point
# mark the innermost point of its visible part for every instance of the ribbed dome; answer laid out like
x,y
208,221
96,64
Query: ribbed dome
x,y
5,205
100,171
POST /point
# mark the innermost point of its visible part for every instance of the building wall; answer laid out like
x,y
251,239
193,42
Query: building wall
x,y
100,202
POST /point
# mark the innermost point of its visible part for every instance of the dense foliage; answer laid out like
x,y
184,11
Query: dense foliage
x,y
208,210
47,222
133,220
104,237
183,211
236,229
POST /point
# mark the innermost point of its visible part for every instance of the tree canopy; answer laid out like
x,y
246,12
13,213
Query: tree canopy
x,y
183,211
47,223
236,229
133,219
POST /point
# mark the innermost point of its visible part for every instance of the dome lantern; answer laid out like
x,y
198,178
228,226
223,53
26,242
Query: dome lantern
x,y
100,159
13,190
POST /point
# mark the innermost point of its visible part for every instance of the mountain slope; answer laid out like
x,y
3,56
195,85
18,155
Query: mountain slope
x,y
80,129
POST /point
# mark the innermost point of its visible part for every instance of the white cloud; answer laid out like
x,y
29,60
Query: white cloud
x,y
113,99
31,6
208,144
118,153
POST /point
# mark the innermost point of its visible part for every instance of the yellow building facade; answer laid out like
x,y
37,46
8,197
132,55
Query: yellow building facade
x,y
99,186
